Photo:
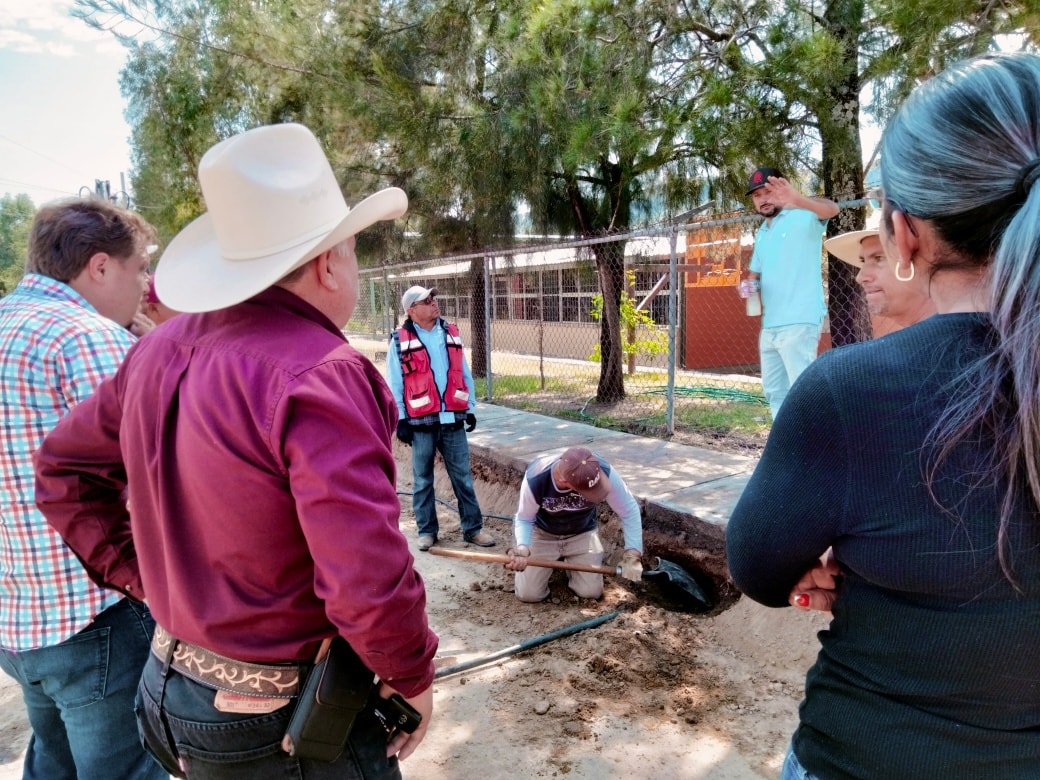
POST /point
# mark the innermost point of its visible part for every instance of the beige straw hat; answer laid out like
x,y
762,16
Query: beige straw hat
x,y
846,245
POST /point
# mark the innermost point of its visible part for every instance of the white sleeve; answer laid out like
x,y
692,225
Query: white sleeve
x,y
523,522
624,504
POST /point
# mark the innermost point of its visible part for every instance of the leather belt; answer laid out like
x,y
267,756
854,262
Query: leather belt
x,y
215,671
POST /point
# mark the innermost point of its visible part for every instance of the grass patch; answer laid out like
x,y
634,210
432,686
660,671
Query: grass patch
x,y
513,385
733,417
716,411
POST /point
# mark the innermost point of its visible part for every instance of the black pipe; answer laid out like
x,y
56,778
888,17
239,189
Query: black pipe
x,y
527,644
455,508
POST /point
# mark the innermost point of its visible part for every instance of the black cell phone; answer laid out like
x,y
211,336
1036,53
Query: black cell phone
x,y
397,715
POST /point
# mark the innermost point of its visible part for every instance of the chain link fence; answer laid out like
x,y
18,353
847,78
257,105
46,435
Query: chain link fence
x,y
531,318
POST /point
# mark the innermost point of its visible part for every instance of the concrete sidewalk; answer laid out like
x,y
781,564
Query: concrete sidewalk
x,y
699,486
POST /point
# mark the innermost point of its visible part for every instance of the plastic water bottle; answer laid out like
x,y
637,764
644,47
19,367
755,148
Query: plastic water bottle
x,y
754,305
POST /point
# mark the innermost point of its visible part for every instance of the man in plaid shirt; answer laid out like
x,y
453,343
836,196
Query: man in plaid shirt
x,y
76,649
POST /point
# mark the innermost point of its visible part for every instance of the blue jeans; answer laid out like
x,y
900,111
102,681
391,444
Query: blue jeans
x,y
453,446
191,738
79,697
785,353
793,769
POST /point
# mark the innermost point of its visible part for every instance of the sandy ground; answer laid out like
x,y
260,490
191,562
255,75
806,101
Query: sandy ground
x,y
651,692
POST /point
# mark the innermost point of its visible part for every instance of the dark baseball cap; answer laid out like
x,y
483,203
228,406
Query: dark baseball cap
x,y
583,473
760,178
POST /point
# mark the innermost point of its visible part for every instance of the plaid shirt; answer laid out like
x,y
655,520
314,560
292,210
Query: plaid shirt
x,y
54,351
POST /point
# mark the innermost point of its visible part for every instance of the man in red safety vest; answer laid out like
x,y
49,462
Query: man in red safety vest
x,y
431,381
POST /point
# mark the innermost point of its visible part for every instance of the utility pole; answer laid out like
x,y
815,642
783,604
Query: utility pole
x,y
103,189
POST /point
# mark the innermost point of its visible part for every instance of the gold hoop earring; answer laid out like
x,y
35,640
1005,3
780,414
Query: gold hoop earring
x,y
913,271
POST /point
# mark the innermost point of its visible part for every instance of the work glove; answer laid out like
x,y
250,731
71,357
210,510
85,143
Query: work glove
x,y
632,565
471,422
518,557
404,432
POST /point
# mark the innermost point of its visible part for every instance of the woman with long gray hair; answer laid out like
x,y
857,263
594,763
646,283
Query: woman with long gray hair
x,y
916,458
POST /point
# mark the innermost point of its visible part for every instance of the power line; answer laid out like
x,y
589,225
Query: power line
x,y
41,154
35,186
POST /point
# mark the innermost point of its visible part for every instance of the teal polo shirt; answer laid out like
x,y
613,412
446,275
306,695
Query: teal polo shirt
x,y
788,256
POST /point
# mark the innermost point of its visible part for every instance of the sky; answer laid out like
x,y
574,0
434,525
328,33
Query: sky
x,y
61,113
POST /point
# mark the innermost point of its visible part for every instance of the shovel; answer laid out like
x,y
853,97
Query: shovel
x,y
665,574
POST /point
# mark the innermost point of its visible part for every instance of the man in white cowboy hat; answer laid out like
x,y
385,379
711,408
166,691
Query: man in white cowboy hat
x,y
433,387
893,303
255,445
557,520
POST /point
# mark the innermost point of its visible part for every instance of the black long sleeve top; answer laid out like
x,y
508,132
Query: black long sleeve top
x,y
930,667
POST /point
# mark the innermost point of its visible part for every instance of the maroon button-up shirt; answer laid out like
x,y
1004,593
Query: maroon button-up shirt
x,y
256,444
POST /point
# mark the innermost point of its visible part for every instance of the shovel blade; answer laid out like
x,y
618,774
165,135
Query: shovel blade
x,y
677,581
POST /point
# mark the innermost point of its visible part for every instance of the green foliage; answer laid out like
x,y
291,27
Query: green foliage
x,y
16,216
640,334
587,111
588,115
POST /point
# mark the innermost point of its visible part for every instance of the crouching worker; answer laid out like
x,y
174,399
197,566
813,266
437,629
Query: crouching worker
x,y
557,520
255,445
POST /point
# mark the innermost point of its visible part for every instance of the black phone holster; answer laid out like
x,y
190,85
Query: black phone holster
x,y
336,690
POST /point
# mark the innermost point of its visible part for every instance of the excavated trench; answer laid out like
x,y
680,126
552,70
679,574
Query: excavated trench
x,y
695,546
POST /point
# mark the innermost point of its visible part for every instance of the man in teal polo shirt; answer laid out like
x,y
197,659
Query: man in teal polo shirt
x,y
786,262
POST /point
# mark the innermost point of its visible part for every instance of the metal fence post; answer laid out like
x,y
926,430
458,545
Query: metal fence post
x,y
373,321
673,308
487,260
387,311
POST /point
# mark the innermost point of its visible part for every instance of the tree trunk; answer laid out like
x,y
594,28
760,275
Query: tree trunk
x,y
842,172
477,320
610,268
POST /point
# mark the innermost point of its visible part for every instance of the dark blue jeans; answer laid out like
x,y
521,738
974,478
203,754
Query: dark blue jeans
x,y
453,446
192,739
79,697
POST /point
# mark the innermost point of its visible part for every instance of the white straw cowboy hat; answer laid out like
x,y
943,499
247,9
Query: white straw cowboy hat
x,y
273,204
846,245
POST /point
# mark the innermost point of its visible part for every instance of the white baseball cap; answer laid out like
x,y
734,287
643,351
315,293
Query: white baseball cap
x,y
415,294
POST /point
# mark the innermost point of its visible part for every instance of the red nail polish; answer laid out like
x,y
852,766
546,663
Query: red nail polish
x,y
802,599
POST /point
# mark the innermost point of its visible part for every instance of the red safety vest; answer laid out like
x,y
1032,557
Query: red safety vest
x,y
421,396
